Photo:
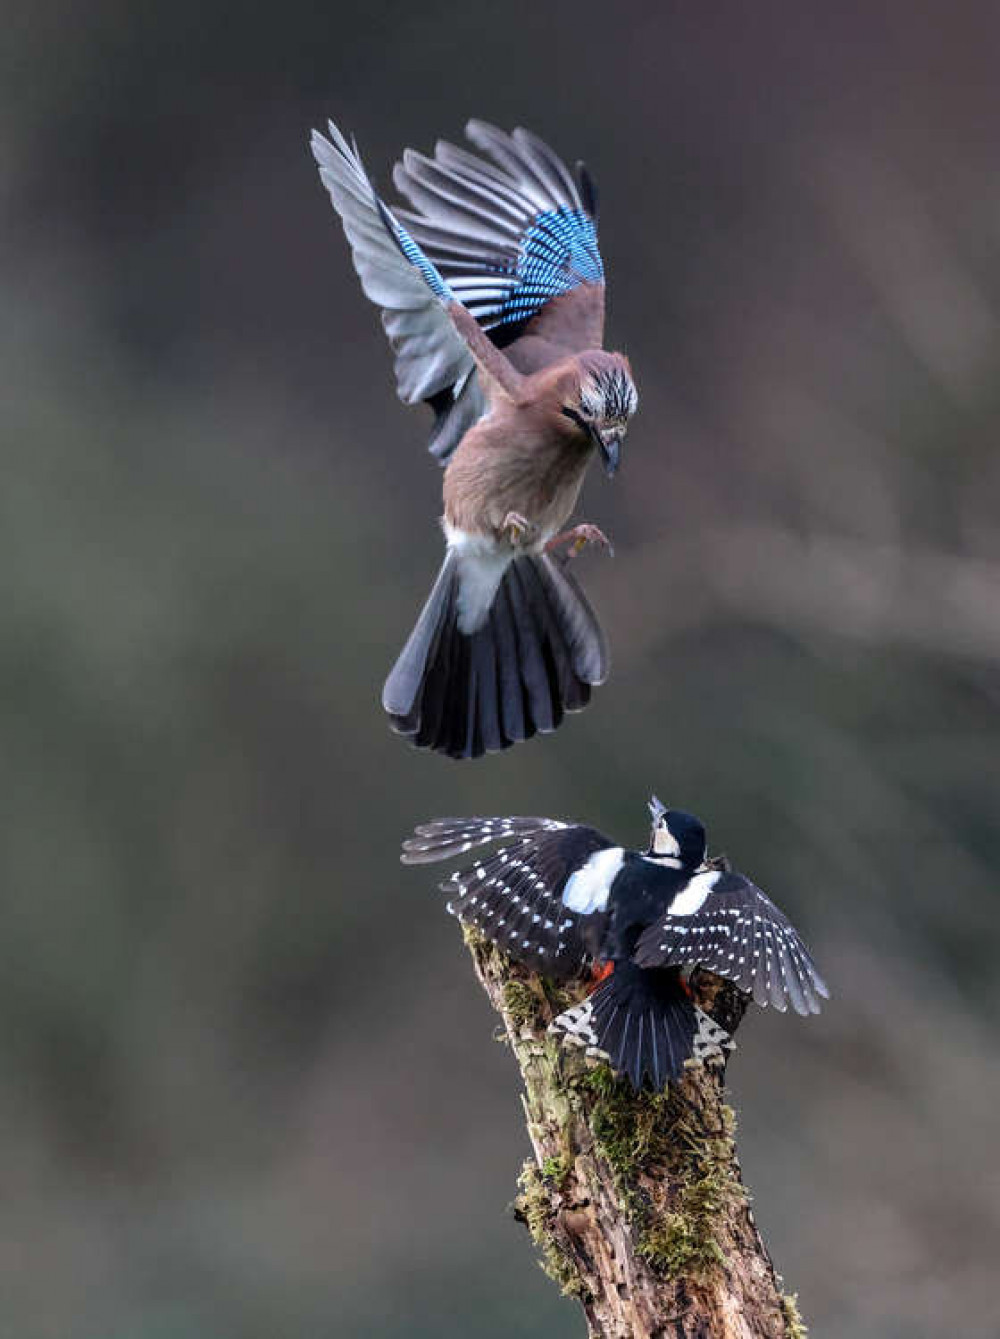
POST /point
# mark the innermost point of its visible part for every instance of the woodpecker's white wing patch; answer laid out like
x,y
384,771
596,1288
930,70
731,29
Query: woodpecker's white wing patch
x,y
692,896
723,922
515,895
587,889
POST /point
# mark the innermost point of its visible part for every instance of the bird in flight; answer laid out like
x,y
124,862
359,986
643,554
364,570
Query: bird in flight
x,y
492,295
565,901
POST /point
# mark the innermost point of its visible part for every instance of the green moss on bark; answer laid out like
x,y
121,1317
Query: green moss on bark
x,y
522,1003
629,1128
656,1135
795,1326
557,1169
683,1244
533,1207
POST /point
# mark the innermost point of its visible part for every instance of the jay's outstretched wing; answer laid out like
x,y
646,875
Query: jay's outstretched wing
x,y
515,896
513,239
432,359
510,235
724,923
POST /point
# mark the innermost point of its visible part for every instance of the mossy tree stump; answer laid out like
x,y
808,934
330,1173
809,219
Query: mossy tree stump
x,y
635,1200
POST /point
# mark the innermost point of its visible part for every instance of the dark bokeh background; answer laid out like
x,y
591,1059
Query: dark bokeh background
x,y
248,1085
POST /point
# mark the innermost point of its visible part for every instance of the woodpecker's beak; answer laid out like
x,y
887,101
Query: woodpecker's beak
x,y
656,809
609,446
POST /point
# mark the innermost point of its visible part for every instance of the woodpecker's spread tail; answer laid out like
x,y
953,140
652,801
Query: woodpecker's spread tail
x,y
535,654
644,1024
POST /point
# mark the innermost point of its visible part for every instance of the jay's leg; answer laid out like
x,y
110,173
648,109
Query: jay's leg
x,y
518,530
578,538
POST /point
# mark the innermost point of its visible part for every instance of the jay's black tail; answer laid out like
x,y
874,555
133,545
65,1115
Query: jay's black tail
x,y
534,657
644,1025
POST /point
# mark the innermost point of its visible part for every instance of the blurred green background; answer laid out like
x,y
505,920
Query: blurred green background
x,y
247,1082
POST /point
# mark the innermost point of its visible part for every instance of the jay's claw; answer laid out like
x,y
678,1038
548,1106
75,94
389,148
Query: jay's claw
x,y
578,538
517,529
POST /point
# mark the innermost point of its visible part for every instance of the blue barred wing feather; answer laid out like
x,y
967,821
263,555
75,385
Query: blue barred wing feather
x,y
737,932
509,235
509,232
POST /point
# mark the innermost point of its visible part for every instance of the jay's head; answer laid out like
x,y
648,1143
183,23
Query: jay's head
x,y
601,403
676,834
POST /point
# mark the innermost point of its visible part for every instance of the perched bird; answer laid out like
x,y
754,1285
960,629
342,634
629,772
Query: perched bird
x,y
563,900
492,295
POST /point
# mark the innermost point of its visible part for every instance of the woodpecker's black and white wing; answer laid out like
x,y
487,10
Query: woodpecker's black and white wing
x,y
506,235
723,922
447,837
540,898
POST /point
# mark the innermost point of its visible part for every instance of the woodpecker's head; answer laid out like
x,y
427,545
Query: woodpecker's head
x,y
605,399
676,834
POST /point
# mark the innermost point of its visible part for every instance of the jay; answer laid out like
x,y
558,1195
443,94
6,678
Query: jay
x,y
492,296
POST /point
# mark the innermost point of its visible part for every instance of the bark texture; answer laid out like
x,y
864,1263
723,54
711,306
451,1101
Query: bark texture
x,y
636,1200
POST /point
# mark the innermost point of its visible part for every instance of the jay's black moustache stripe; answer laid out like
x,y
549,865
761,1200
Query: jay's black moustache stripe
x,y
576,418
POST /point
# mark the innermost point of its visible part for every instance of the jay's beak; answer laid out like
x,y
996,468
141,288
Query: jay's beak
x,y
609,446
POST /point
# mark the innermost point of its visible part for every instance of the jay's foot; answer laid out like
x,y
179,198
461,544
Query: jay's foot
x,y
518,530
578,538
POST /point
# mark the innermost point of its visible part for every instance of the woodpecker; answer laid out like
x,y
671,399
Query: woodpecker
x,y
563,899
492,295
